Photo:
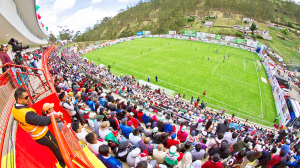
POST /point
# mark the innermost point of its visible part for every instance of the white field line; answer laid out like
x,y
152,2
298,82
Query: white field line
x,y
218,64
235,80
245,69
144,54
259,89
189,90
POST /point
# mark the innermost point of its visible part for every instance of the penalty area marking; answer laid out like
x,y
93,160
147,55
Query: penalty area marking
x,y
259,88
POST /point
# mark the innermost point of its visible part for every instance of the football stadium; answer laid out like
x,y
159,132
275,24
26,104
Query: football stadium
x,y
231,77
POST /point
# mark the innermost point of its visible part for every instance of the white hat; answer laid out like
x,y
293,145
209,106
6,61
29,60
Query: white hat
x,y
4,45
173,150
135,152
258,148
155,129
183,128
92,115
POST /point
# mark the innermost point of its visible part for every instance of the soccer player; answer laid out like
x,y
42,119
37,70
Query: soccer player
x,y
156,78
203,56
148,80
224,60
203,95
217,50
246,61
208,58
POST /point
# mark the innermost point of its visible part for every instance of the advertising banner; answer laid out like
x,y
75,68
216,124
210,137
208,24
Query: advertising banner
x,y
202,35
171,32
212,36
146,32
241,41
155,36
193,39
251,43
230,39
139,33
220,37
224,43
190,33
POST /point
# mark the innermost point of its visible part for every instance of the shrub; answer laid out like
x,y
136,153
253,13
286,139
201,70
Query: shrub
x,y
239,34
203,21
254,37
190,19
260,37
245,21
290,25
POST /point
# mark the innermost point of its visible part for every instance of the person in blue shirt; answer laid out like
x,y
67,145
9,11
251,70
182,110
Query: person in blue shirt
x,y
91,104
286,147
296,162
126,130
106,158
102,99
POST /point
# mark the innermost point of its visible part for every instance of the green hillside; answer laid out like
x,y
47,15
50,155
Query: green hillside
x,y
160,16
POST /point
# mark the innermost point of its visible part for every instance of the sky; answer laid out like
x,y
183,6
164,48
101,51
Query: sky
x,y
77,15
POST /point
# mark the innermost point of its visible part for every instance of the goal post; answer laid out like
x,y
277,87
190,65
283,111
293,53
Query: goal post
x,y
258,65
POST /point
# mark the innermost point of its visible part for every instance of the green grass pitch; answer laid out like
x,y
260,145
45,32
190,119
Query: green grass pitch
x,y
234,85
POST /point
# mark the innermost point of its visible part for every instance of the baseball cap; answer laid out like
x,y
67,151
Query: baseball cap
x,y
183,128
4,45
47,106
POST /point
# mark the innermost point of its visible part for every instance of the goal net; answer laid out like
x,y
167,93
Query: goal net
x,y
258,65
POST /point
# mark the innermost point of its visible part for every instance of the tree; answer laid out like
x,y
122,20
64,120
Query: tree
x,y
52,37
77,34
66,34
253,27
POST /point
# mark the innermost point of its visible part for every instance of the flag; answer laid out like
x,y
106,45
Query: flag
x,y
37,7
39,16
47,28
42,25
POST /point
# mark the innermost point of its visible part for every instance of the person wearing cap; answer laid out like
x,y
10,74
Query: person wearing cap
x,y
5,58
171,157
102,99
34,124
92,142
182,135
48,109
107,159
126,130
98,121
91,120
145,117
30,60
161,124
154,134
215,162
172,141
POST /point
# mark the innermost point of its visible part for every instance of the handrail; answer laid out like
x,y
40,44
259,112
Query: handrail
x,y
45,67
60,142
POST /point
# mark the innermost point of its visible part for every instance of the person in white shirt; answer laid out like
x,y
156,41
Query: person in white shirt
x,y
134,137
80,131
232,140
67,104
93,144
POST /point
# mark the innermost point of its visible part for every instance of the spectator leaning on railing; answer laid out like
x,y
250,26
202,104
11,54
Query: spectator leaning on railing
x,y
34,124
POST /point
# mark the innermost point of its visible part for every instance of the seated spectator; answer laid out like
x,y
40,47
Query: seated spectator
x,y
126,130
182,135
81,111
236,160
215,162
80,131
144,157
123,150
145,117
113,121
231,141
264,158
171,157
93,144
135,137
97,123
91,103
102,99
48,109
222,150
161,124
66,104
148,130
106,158
276,159
172,141
134,121
196,164
104,130
222,128
142,164
154,133
140,115
186,147
161,138
197,153
91,121
159,154
252,155
215,142
131,157
186,161
240,145
144,144
284,162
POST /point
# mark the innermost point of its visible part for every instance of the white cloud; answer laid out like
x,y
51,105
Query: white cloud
x,y
63,4
96,1
48,19
82,19
124,1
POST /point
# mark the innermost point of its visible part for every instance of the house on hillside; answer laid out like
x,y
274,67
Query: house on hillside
x,y
208,24
249,20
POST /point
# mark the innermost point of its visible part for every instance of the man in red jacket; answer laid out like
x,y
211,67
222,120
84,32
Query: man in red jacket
x,y
172,142
276,159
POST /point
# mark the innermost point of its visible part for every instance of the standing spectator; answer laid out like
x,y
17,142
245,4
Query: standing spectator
x,y
284,162
276,159
6,59
222,128
106,158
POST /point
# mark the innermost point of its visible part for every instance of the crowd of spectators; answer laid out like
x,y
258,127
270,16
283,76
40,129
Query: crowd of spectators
x,y
123,122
